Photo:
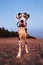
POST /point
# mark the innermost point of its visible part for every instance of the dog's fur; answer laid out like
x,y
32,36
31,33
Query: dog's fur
x,y
22,31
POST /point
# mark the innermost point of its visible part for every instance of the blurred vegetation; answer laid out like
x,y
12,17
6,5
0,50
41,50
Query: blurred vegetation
x,y
6,33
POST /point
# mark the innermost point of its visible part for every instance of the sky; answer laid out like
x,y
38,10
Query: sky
x,y
9,9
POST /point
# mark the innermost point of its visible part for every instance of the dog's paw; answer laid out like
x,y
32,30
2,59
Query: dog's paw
x,y
18,56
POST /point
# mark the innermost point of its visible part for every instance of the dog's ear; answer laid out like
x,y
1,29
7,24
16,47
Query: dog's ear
x,y
25,13
19,14
28,16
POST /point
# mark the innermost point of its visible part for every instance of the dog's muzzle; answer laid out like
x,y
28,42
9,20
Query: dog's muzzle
x,y
22,21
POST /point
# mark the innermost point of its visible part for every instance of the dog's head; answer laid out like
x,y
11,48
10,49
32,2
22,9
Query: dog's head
x,y
22,16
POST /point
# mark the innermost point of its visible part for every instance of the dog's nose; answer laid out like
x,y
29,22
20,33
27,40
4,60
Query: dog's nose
x,y
22,21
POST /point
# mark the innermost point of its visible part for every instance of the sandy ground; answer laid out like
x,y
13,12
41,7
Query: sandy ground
x,y
9,50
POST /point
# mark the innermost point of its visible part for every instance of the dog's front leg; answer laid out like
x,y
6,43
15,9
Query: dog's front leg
x,y
26,48
19,53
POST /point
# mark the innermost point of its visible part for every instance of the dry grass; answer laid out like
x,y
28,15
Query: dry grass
x,y
9,50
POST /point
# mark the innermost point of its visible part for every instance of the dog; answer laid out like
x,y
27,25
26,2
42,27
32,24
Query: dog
x,y
22,31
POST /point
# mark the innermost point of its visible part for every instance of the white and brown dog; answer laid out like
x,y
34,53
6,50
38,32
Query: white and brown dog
x,y
22,31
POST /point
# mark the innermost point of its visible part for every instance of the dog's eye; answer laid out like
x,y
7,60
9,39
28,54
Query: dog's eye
x,y
19,16
24,16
